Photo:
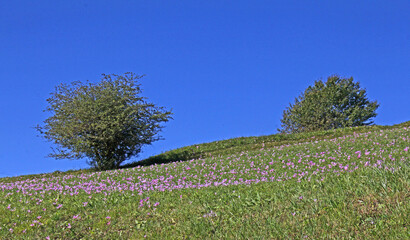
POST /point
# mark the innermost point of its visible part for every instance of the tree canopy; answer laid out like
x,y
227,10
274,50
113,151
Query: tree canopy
x,y
336,103
106,122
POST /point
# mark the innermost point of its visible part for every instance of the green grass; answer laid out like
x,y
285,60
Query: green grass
x,y
356,186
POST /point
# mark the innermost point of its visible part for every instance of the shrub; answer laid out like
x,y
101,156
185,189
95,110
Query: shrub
x,y
336,103
107,122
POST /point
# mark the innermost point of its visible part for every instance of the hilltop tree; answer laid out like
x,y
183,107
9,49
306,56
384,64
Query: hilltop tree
x,y
336,103
106,122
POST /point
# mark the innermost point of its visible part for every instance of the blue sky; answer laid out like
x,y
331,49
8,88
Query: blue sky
x,y
226,68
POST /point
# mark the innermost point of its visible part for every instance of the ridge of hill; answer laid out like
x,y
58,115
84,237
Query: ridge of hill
x,y
228,146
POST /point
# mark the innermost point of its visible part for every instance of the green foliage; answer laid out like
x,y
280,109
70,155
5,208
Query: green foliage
x,y
337,103
107,122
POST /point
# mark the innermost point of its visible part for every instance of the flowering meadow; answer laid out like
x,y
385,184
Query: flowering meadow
x,y
352,186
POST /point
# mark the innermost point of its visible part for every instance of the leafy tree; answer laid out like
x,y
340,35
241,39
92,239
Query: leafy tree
x,y
106,122
336,103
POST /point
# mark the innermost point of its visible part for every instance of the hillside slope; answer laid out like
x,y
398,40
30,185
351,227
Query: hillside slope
x,y
349,183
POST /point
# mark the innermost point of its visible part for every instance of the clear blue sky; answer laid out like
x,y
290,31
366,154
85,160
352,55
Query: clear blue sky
x,y
226,68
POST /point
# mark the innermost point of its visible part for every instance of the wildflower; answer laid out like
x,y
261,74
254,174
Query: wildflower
x,y
108,217
210,214
75,216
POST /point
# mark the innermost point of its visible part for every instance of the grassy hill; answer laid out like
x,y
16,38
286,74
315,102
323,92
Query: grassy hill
x,y
346,183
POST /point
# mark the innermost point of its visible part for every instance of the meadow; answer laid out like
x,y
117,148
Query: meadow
x,y
349,183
